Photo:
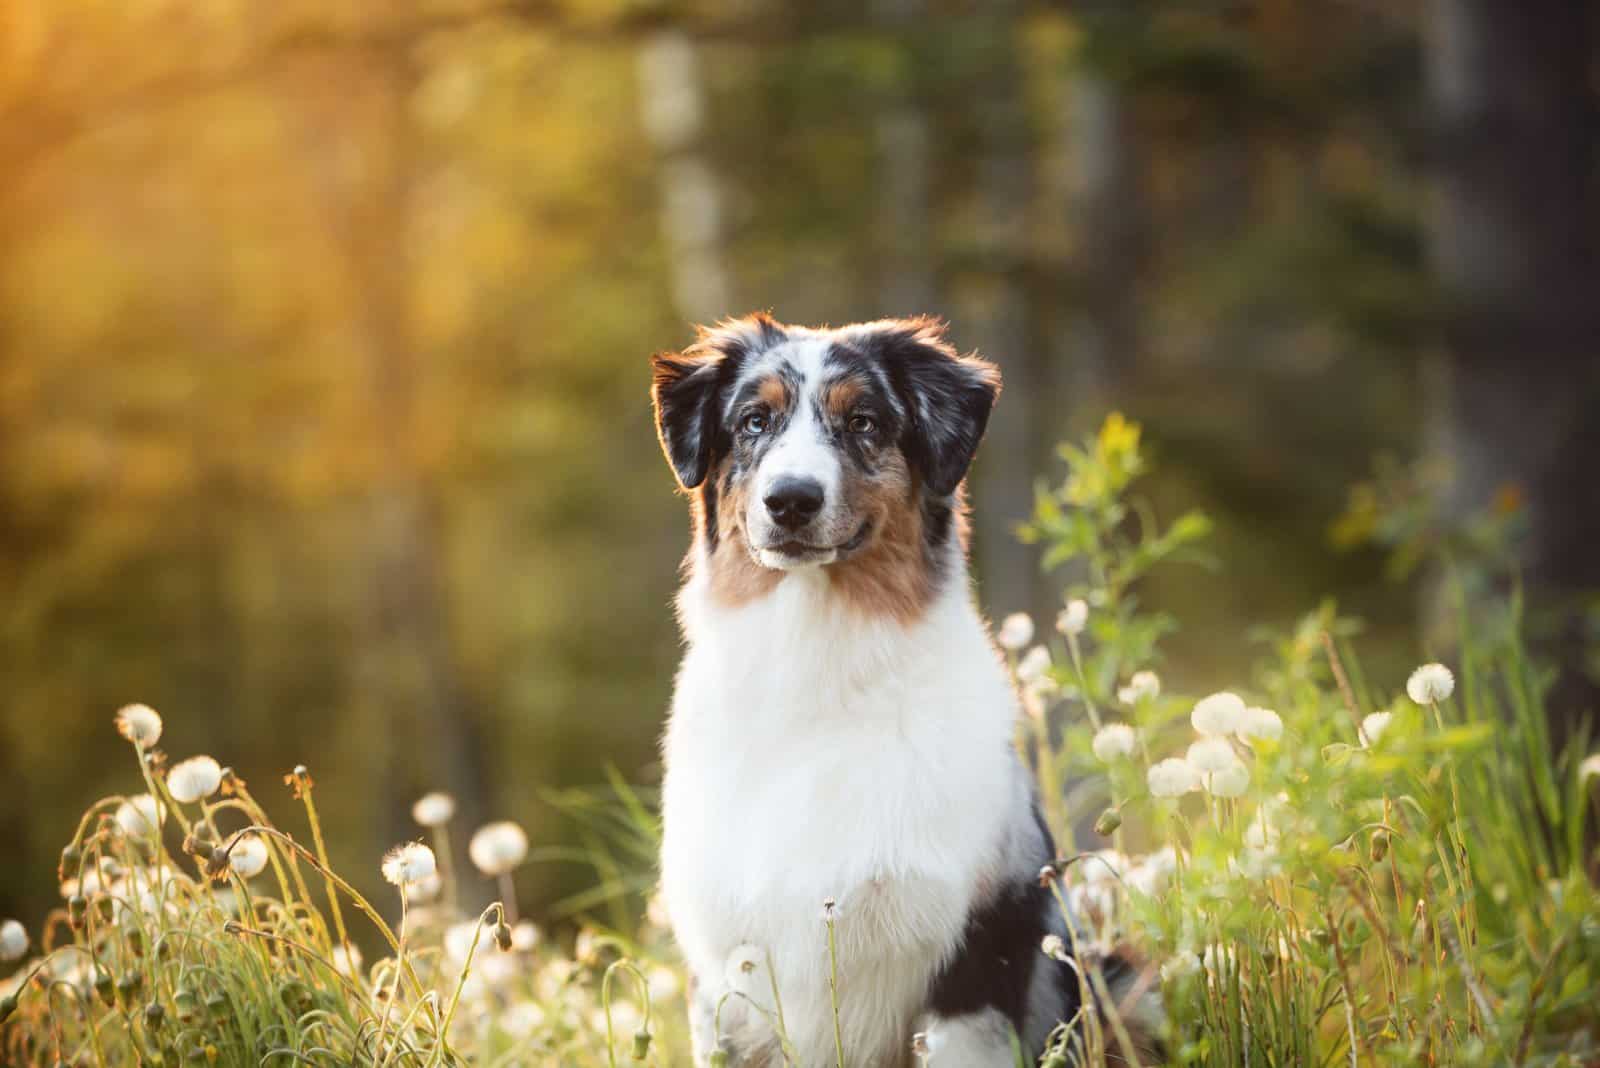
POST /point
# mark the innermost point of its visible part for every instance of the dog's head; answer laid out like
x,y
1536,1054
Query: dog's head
x,y
813,447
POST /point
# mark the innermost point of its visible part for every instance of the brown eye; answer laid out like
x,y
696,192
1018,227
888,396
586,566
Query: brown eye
x,y
754,424
862,424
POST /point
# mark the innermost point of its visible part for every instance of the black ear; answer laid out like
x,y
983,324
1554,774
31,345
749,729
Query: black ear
x,y
947,396
684,389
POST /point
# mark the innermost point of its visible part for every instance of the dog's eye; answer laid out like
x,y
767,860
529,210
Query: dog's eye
x,y
862,424
755,423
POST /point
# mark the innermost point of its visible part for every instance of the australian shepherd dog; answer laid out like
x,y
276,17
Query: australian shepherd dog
x,y
840,765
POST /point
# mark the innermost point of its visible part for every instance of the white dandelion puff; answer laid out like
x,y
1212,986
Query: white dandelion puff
x,y
1589,769
434,810
1212,754
497,848
1113,742
1218,714
1180,966
347,960
1016,631
524,936
663,982
193,779
139,815
1260,723
1173,777
1430,683
13,940
427,888
1073,618
248,857
522,1019
741,966
1052,946
409,863
1373,726
1033,665
1231,781
1143,686
140,724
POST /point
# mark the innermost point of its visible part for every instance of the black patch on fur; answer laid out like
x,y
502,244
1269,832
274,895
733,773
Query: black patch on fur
x,y
947,397
938,526
710,499
994,966
687,390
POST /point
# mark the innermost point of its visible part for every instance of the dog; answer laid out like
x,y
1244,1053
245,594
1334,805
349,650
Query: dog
x,y
852,848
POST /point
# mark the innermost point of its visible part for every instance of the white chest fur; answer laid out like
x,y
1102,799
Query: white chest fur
x,y
815,754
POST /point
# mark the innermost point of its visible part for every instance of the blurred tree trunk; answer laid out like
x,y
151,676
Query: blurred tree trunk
x,y
672,104
1517,393
996,304
905,168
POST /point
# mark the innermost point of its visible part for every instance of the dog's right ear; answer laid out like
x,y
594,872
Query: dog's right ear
x,y
684,389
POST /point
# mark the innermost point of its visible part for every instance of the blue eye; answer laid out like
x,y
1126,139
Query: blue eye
x,y
862,424
755,423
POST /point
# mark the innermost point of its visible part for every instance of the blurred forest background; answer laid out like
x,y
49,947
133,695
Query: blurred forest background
x,y
324,325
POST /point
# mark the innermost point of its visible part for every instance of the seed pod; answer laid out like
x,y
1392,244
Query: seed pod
x,y
154,1014
128,988
71,857
1109,821
77,911
502,936
641,1045
106,988
1380,845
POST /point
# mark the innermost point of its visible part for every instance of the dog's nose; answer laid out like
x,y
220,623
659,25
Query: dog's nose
x,y
794,502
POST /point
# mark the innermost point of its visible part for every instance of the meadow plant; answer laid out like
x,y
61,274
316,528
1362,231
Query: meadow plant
x,y
1318,869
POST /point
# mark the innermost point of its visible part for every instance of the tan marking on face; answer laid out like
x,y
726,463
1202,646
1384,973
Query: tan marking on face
x,y
839,397
890,576
774,393
736,578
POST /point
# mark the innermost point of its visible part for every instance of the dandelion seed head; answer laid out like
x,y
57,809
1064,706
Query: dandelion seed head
x,y
140,815
248,857
1212,753
1589,768
434,810
1033,665
1113,742
741,966
1373,726
1218,714
497,848
458,941
524,936
409,863
347,961
521,1019
1143,686
426,889
1430,683
1231,781
193,779
830,910
140,724
1073,618
1173,777
664,983
1260,723
1180,966
1016,631
13,940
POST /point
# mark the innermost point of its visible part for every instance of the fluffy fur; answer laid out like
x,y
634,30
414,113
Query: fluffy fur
x,y
842,725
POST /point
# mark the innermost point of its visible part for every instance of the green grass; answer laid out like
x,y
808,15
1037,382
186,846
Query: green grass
x,y
1420,895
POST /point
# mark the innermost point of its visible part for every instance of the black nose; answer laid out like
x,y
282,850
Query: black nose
x,y
794,502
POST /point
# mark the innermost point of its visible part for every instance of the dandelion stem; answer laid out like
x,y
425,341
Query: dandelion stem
x,y
833,991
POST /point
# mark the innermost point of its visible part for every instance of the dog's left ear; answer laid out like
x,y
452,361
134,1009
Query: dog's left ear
x,y
947,396
684,389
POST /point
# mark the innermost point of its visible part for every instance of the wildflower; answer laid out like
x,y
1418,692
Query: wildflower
x,y
194,779
741,965
1212,754
1143,686
1016,631
1112,742
1430,683
1218,714
1373,726
347,960
524,936
1150,875
1173,777
140,724
498,847
1053,947
1073,618
1231,781
1033,665
1589,769
248,857
13,940
1180,966
426,888
434,810
409,863
1260,723
139,815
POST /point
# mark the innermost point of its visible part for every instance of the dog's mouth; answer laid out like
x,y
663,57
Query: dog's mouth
x,y
783,555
